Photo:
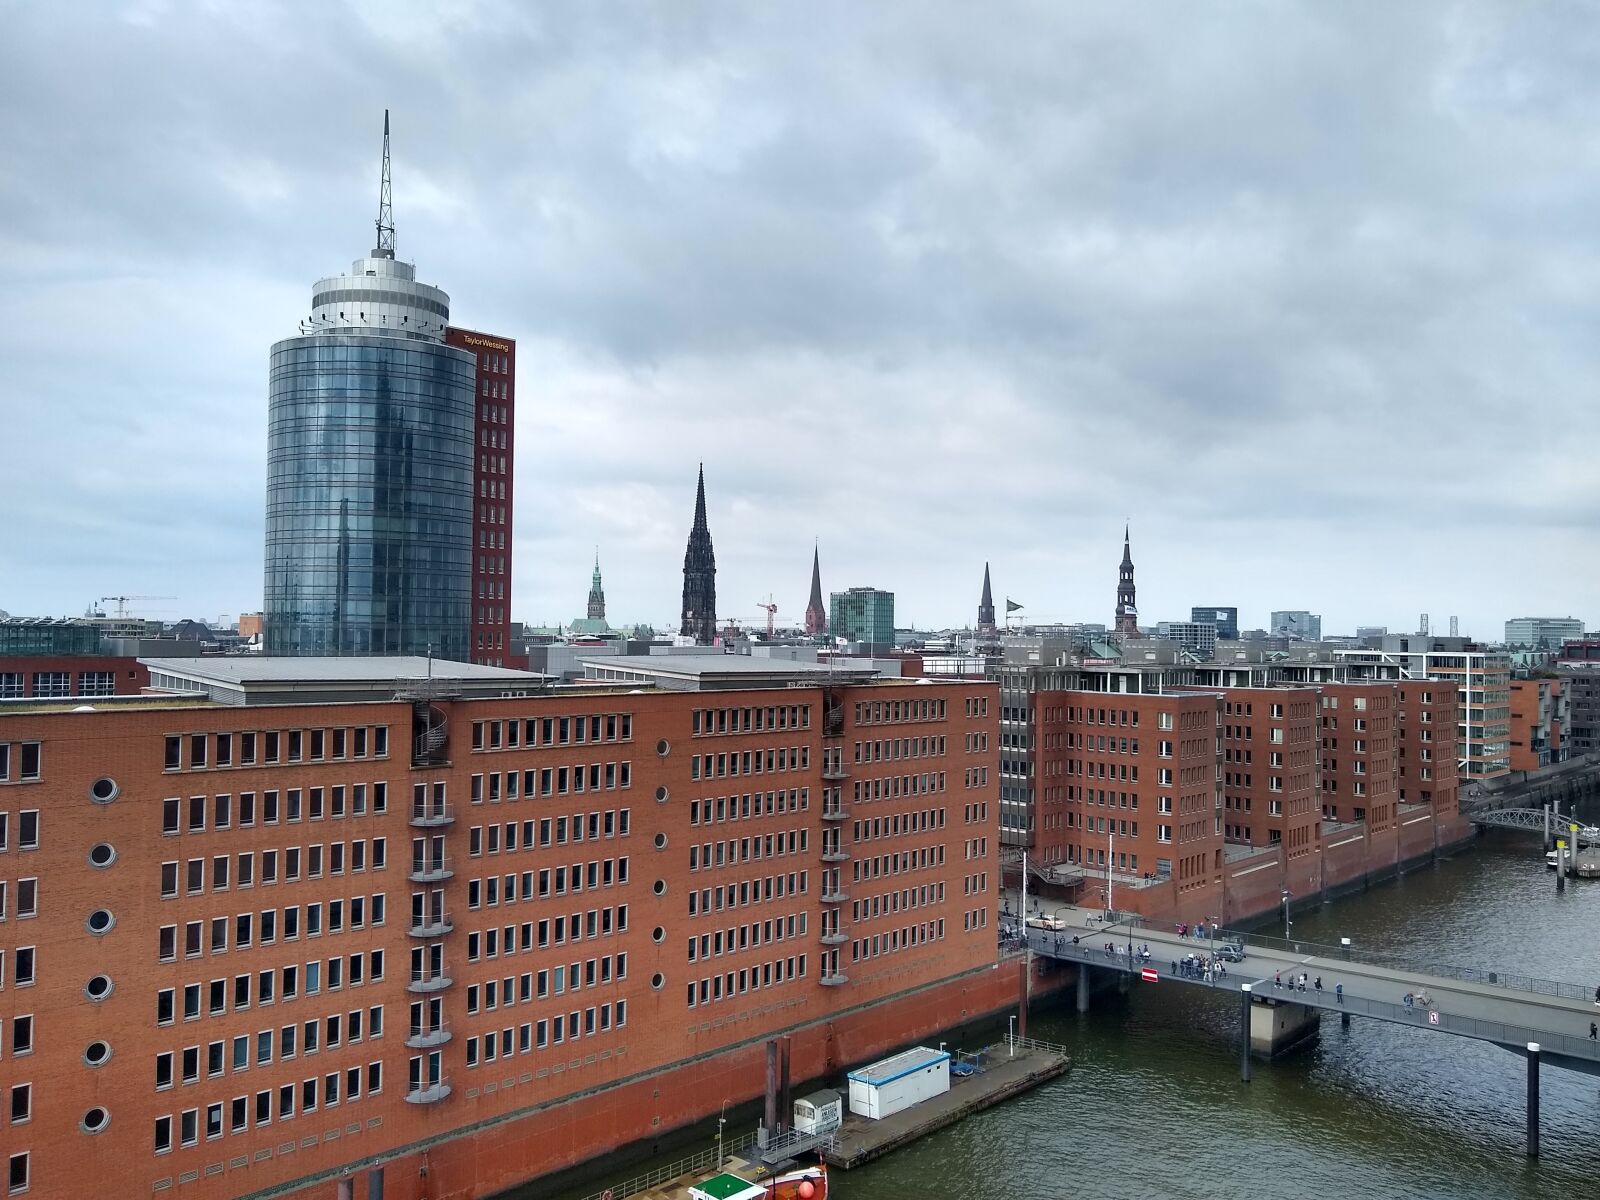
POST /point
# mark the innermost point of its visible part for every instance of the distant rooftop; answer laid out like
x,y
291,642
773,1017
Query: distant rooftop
x,y
710,672
250,679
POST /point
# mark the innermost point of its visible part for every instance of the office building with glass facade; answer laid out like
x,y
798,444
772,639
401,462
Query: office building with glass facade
x,y
864,615
370,473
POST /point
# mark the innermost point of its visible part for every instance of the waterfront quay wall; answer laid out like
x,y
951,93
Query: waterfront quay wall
x,y
1249,884
639,1110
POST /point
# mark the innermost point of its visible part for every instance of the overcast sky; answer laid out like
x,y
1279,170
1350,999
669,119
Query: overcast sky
x,y
1306,291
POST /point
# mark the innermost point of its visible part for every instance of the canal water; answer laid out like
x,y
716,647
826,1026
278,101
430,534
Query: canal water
x,y
1154,1105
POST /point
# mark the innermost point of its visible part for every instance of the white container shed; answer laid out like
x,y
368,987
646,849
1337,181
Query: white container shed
x,y
895,1084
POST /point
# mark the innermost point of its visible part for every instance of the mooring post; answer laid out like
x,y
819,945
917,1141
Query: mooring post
x,y
1083,987
1244,1034
1533,1099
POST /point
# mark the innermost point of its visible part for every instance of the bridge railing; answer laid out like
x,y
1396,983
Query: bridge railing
x,y
1510,980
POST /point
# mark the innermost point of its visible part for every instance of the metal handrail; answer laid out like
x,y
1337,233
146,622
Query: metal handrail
x,y
684,1166
1511,981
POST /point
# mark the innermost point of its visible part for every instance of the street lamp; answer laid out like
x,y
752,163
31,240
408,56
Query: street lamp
x,y
722,1120
1011,1034
1288,924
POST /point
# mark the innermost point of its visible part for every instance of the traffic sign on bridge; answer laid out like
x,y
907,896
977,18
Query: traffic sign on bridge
x,y
1150,975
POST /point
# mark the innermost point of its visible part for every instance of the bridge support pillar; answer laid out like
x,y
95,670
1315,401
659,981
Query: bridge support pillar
x,y
1244,1033
1533,1099
1277,1026
1083,987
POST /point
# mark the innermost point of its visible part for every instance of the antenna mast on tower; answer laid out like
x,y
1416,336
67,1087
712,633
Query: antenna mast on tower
x,y
385,248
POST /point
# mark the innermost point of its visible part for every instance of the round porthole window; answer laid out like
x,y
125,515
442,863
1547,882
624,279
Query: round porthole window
x,y
95,1120
101,921
661,841
104,790
659,887
102,854
662,793
97,1054
658,935
663,747
658,981
98,987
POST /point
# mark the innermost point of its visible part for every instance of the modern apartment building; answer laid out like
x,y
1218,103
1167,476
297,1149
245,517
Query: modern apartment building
x,y
493,492
1540,719
300,919
1298,624
1195,638
1579,667
1225,619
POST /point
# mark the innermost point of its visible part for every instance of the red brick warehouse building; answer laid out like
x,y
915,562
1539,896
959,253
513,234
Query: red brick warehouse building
x,y
301,915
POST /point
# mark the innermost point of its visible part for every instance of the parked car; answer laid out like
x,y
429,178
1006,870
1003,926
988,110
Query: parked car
x,y
1052,923
1231,952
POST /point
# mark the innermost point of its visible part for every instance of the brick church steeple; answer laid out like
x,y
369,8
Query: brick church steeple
x,y
700,575
1127,608
986,625
816,614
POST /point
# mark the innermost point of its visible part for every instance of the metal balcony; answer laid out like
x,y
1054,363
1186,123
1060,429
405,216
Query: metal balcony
x,y
839,897
831,813
837,979
834,937
428,816
834,771
431,927
835,854
429,872
428,1094
426,1039
422,984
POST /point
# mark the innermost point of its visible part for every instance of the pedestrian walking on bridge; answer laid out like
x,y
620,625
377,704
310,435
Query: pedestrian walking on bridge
x,y
1338,992
1594,1032
1277,979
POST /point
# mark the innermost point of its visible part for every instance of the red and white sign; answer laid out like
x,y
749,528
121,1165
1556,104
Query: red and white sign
x,y
1149,974
1433,1018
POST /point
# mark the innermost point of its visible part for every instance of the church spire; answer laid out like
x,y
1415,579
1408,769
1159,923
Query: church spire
x,y
597,593
1127,607
700,575
816,614
986,606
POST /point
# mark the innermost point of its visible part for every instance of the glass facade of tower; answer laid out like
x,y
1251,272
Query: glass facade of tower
x,y
369,496
864,615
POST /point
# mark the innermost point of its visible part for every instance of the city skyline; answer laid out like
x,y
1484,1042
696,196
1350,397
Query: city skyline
x,y
723,244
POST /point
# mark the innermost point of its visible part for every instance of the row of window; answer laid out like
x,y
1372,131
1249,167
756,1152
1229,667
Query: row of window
x,y
875,712
907,937
749,804
534,732
239,871
552,781
898,824
24,966
498,941
555,981
510,836
27,899
58,684
892,749
264,928
750,762
549,1031
25,758
273,746
235,1116
768,719
747,936
262,1049
292,805
976,777
876,866
495,890
217,997
733,851
893,787
886,904
746,979
749,891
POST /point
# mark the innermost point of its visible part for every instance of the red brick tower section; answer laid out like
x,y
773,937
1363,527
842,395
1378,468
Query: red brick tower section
x,y
1269,769
493,481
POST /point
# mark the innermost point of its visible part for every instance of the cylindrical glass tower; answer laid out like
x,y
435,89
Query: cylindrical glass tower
x,y
369,473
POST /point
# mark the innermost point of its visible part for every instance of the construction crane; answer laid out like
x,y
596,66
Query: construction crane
x,y
122,602
769,608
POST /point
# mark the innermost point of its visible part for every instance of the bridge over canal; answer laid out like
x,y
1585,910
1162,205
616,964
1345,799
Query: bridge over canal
x,y
1543,1021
